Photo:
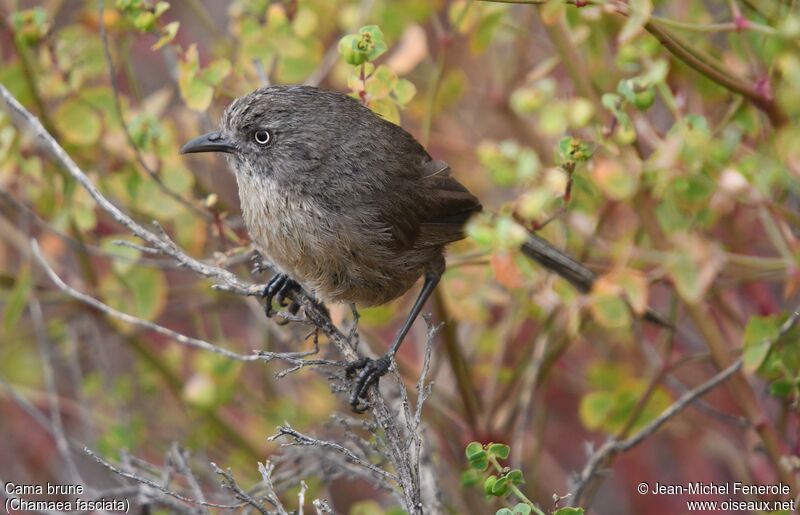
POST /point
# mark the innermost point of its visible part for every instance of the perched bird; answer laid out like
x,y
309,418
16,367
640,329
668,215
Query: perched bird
x,y
345,204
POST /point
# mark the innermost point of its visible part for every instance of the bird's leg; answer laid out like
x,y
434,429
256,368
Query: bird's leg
x,y
278,287
371,370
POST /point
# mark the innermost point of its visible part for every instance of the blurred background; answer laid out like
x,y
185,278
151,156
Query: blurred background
x,y
654,141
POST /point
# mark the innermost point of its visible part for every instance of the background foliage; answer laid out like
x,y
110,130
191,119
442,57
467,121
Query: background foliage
x,y
654,141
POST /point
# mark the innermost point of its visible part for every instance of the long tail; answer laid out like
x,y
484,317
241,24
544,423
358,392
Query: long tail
x,y
541,251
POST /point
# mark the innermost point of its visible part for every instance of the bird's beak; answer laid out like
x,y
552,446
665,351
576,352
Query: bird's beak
x,y
211,142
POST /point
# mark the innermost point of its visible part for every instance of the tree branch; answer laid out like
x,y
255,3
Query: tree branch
x,y
613,446
396,438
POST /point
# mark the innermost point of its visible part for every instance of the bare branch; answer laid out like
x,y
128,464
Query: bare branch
x,y
112,74
614,446
230,483
155,485
350,456
406,470
125,317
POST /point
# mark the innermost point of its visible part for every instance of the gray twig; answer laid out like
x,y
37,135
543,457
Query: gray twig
x,y
614,446
155,485
230,483
112,74
406,470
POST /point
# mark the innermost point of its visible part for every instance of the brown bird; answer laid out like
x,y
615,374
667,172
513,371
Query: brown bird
x,y
345,204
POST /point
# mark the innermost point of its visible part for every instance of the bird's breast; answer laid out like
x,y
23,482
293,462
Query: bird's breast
x,y
335,256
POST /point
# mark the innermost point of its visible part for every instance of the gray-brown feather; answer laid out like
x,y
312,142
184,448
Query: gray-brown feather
x,y
351,222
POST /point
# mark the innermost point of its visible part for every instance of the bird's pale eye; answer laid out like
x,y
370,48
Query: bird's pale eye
x,y
262,136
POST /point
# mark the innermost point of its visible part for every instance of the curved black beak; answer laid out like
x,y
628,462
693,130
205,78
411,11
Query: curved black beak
x,y
211,142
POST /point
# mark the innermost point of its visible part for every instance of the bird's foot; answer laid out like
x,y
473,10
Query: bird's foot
x,y
369,373
260,265
278,287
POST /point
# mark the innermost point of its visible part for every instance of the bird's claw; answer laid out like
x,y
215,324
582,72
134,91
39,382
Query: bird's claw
x,y
369,373
278,287
259,265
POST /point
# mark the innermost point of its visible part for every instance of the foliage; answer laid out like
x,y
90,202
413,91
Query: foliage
x,y
656,142
501,481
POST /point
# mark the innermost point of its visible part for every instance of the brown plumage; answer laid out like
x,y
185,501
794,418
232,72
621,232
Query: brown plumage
x,y
344,203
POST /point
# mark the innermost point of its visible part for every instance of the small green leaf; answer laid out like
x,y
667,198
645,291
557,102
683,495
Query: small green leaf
x,y
504,511
488,484
215,72
349,51
569,511
522,509
78,122
161,8
500,450
610,310
643,100
639,14
387,109
404,91
167,34
782,387
759,336
500,487
470,477
479,461
516,477
30,26
472,449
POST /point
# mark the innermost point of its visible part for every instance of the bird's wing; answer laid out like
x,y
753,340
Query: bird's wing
x,y
448,205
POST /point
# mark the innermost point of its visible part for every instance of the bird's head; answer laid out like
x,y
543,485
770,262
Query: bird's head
x,y
281,131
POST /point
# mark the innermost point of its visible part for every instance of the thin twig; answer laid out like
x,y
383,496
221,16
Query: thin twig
x,y
225,280
614,446
230,483
350,456
160,488
125,317
118,108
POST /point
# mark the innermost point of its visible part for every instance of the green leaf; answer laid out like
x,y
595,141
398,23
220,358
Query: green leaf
x,y
387,109
615,180
78,122
168,33
349,51
125,258
141,292
610,310
759,335
161,8
782,387
488,484
522,509
595,408
504,511
404,91
639,14
381,82
500,450
472,449
569,511
500,487
516,477
215,72
470,477
479,461
30,26
371,40
197,86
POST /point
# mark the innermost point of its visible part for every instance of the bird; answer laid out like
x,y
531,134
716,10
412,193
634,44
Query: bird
x,y
345,204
